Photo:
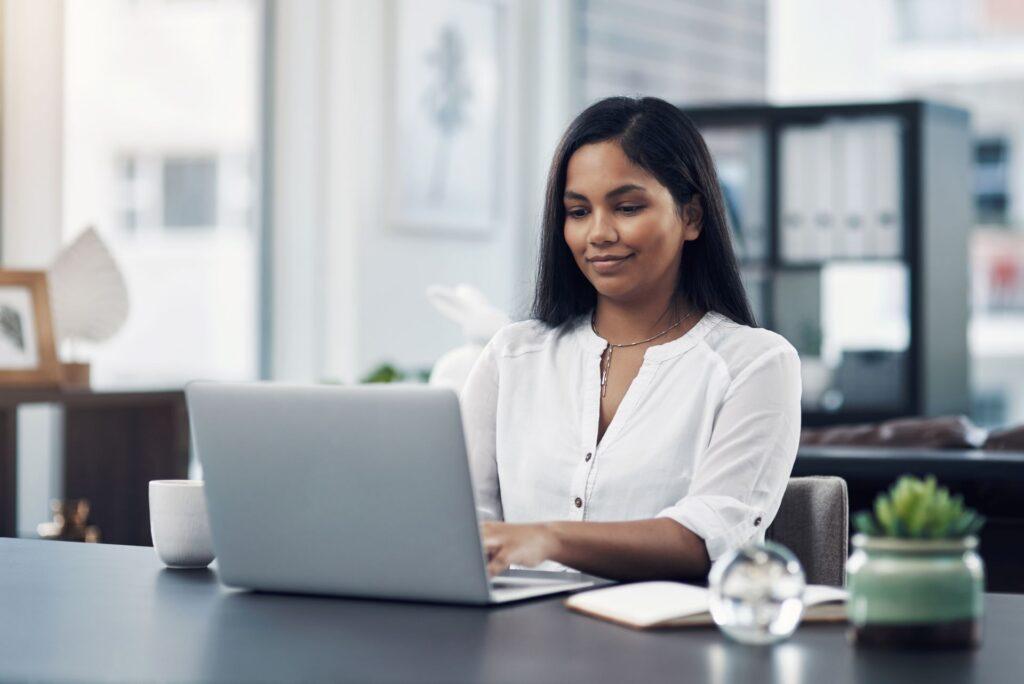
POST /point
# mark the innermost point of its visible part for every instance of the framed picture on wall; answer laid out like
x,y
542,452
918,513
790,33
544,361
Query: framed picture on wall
x,y
27,351
447,151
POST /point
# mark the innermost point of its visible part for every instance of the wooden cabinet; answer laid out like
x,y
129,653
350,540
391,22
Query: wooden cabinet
x,y
114,444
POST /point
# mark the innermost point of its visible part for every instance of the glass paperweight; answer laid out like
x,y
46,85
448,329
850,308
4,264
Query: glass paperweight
x,y
757,593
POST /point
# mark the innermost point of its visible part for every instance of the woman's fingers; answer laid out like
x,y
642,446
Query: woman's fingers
x,y
491,537
493,545
497,564
507,544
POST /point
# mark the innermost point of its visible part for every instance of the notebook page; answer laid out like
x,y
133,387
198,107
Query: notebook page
x,y
820,593
649,604
642,604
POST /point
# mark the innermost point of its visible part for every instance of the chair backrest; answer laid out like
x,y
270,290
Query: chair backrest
x,y
813,522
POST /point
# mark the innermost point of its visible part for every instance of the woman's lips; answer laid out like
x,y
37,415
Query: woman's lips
x,y
611,266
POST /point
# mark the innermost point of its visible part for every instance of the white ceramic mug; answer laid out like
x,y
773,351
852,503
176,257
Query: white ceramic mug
x,y
179,524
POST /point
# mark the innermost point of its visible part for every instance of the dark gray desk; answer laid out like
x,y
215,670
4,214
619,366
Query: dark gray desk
x,y
955,465
77,612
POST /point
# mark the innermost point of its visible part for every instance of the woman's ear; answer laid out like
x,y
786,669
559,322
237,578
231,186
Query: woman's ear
x,y
693,218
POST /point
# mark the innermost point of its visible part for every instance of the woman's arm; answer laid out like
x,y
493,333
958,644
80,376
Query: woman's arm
x,y
479,406
637,550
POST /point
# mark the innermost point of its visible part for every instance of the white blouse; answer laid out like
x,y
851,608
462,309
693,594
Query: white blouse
x,y
706,434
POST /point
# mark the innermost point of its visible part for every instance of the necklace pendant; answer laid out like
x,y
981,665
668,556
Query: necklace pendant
x,y
605,367
607,363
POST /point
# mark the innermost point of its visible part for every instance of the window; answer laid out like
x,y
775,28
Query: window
x,y
991,175
958,20
936,19
172,192
686,51
161,133
190,192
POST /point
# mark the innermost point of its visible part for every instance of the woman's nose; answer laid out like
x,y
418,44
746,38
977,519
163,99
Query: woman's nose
x,y
602,228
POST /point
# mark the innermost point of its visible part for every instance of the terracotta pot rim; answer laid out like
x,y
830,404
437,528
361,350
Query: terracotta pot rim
x,y
897,544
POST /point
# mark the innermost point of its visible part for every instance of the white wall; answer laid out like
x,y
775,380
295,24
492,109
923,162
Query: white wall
x,y
32,104
549,100
395,322
830,51
298,188
32,161
354,281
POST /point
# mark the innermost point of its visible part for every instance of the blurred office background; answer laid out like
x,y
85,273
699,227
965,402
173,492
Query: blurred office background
x,y
281,181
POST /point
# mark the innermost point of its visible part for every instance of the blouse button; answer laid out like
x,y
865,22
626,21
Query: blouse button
x,y
757,521
578,502
588,456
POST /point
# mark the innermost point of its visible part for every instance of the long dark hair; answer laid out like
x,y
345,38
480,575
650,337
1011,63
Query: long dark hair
x,y
659,138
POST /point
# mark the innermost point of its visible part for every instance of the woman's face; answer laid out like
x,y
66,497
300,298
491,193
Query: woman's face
x,y
622,225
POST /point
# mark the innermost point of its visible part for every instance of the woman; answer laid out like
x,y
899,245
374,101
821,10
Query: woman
x,y
640,425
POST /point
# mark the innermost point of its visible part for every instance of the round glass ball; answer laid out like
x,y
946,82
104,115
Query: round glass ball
x,y
756,593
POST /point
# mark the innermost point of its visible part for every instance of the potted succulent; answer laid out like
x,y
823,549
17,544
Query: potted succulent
x,y
915,578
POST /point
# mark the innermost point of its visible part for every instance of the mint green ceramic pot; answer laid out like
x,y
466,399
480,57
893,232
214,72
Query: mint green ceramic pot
x,y
915,592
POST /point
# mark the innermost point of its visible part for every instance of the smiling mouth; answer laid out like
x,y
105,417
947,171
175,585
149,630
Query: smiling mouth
x,y
606,265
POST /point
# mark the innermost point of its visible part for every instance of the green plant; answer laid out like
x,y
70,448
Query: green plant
x,y
387,372
918,509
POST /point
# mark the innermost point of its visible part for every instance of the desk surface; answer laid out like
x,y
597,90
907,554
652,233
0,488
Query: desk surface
x,y
13,396
912,454
956,465
81,612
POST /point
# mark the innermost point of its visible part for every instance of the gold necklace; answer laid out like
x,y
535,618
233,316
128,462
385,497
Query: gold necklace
x,y
607,366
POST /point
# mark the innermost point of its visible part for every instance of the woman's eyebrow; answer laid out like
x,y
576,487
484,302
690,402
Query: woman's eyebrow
x,y
621,190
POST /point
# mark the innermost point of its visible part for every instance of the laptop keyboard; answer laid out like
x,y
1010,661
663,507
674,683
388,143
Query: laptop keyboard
x,y
530,581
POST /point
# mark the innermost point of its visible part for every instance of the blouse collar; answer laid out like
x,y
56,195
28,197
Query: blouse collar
x,y
592,343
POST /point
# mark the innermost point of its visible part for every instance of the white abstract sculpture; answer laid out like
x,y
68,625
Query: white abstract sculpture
x,y
479,319
88,293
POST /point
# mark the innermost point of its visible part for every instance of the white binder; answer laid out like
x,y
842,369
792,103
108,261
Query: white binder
x,y
793,215
805,197
853,176
821,235
886,227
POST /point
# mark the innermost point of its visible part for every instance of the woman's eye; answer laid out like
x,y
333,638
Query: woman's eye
x,y
577,212
630,209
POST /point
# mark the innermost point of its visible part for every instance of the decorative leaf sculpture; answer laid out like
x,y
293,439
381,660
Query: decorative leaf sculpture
x,y
87,290
918,509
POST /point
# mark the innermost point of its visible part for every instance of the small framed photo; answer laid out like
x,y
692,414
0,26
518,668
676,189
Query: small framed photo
x,y
28,355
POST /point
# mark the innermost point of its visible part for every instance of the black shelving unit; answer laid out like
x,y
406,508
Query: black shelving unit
x,y
929,376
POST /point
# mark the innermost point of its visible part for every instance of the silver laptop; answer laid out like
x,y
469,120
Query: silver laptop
x,y
353,491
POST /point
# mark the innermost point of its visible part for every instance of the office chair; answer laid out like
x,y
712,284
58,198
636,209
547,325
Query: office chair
x,y
813,522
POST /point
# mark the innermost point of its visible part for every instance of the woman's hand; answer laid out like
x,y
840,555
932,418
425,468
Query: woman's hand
x,y
521,544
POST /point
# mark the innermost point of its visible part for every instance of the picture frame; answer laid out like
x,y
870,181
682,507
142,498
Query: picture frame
x,y
446,103
28,353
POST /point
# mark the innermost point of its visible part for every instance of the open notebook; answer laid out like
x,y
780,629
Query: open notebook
x,y
656,605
